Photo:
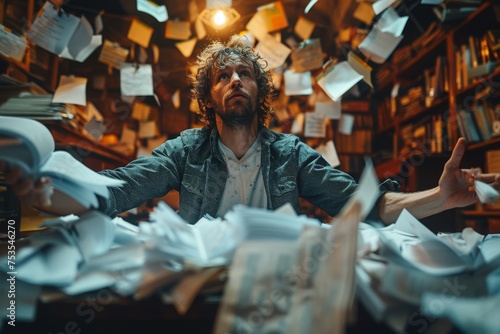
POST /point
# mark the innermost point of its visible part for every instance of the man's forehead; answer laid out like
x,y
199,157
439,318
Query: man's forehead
x,y
234,60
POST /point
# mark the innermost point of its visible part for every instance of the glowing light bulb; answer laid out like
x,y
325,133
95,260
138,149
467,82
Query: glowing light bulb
x,y
219,18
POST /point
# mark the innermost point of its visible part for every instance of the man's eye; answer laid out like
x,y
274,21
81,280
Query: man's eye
x,y
223,76
244,74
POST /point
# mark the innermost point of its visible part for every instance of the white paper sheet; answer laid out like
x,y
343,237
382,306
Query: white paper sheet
x,y
329,109
12,45
298,83
329,152
346,124
71,90
485,192
314,125
390,22
273,52
52,31
339,80
136,80
380,5
149,7
379,45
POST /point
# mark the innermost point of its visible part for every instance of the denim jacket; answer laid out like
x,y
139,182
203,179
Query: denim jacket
x,y
193,164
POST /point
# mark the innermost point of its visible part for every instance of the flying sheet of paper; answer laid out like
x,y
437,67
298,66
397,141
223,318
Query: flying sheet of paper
x,y
314,125
95,128
136,80
219,3
98,24
186,47
367,191
180,30
304,28
274,16
71,90
52,31
380,5
273,52
298,123
298,83
379,45
140,33
346,124
81,37
309,6
140,111
390,22
485,192
329,109
176,99
113,54
128,136
257,27
307,56
329,152
11,45
361,67
147,129
199,27
364,12
149,7
339,79
95,42
92,111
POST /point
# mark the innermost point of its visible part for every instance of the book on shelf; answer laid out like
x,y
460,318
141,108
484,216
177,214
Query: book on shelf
x,y
29,144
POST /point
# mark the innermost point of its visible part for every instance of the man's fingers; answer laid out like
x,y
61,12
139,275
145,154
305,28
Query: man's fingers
x,y
457,154
488,178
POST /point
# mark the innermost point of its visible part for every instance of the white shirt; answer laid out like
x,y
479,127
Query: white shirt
x,y
245,184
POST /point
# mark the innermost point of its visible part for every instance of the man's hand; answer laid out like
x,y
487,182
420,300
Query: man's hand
x,y
29,192
457,185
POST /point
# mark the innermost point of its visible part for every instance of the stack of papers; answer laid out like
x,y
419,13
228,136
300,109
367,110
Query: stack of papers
x,y
38,107
403,263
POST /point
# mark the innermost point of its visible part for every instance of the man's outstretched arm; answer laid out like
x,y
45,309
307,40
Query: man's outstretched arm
x,y
455,189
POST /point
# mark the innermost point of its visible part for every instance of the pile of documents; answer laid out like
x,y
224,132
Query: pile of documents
x,y
39,107
405,266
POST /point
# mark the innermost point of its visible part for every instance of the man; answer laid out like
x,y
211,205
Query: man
x,y
235,159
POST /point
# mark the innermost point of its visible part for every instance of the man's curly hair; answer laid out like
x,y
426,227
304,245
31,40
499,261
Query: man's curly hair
x,y
214,57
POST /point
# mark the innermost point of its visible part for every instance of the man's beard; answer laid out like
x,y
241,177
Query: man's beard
x,y
237,115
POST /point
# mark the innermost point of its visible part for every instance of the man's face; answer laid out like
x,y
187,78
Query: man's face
x,y
234,92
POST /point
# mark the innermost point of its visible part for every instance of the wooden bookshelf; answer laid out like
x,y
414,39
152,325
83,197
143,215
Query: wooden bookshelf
x,y
429,126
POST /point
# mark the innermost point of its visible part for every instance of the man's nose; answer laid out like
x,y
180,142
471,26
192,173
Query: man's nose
x,y
235,80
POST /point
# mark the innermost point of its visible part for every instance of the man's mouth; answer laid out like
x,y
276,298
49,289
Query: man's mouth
x,y
237,96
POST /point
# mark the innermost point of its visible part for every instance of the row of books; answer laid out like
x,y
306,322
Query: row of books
x,y
431,135
477,122
359,141
477,57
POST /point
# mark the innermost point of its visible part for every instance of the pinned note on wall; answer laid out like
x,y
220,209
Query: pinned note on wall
x,y
12,45
113,54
